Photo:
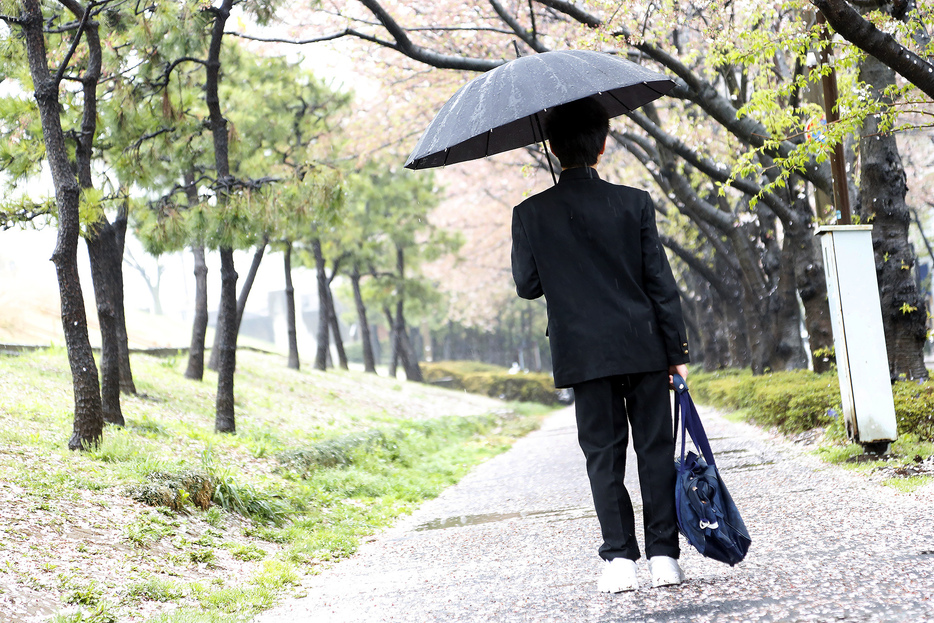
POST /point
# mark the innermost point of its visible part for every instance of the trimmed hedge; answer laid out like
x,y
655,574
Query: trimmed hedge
x,y
799,400
790,401
490,380
914,408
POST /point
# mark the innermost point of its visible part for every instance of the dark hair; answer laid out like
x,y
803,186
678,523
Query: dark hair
x,y
577,132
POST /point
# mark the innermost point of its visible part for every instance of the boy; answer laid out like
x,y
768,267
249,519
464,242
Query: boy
x,y
616,332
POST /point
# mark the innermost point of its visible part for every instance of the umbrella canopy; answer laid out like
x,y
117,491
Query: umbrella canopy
x,y
499,110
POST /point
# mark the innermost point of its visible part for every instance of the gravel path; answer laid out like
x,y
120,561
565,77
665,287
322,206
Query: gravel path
x,y
516,540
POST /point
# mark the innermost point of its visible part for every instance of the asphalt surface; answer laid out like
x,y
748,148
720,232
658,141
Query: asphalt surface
x,y
516,540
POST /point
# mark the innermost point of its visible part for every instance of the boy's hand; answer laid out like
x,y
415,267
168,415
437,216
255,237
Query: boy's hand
x,y
680,369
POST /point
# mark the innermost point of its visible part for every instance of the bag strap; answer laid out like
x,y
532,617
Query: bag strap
x,y
679,386
690,421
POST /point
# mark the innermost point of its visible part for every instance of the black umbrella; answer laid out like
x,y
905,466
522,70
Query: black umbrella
x,y
499,110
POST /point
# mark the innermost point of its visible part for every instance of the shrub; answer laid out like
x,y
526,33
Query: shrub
x,y
790,401
914,408
494,381
798,400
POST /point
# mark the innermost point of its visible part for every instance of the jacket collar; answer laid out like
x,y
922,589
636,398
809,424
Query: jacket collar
x,y
579,173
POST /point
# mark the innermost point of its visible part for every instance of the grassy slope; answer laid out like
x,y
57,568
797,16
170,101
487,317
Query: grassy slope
x,y
76,546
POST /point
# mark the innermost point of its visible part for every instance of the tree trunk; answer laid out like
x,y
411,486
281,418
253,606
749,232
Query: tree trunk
x,y
714,350
154,295
730,328
393,343
224,421
127,386
882,203
199,327
219,323
321,353
290,308
810,281
786,314
250,279
214,361
767,288
101,238
377,347
88,419
403,344
413,372
102,250
336,331
369,362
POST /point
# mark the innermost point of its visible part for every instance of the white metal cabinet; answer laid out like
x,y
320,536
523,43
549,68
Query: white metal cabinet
x,y
858,336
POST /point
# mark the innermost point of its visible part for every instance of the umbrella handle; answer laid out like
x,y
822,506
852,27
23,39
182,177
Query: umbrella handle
x,y
541,133
680,385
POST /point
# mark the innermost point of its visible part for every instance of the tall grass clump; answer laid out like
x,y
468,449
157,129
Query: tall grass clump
x,y
236,496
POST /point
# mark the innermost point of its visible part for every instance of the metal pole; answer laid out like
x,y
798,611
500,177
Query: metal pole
x,y
841,193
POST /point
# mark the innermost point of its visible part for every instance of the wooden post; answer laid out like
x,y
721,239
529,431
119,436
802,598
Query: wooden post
x,y
841,194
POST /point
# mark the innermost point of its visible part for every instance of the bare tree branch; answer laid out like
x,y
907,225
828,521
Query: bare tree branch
x,y
573,12
863,34
337,35
699,266
405,45
74,43
527,36
713,170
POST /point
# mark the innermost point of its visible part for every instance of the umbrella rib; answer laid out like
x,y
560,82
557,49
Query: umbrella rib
x,y
621,103
541,134
649,85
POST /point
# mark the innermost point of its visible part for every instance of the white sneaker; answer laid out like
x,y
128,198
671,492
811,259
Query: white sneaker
x,y
665,571
619,575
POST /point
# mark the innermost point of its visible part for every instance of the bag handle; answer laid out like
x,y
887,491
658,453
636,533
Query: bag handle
x,y
690,421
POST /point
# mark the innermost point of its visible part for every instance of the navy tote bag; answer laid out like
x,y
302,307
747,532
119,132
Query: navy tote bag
x,y
707,516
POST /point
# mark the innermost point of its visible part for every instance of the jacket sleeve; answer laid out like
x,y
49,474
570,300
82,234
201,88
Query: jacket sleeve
x,y
660,286
524,270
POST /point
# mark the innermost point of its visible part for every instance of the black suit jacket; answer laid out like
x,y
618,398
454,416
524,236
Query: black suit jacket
x,y
592,249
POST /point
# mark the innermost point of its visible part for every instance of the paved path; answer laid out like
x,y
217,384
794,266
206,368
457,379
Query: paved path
x,y
516,540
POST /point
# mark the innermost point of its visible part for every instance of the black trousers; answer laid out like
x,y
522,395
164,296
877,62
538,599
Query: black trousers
x,y
606,410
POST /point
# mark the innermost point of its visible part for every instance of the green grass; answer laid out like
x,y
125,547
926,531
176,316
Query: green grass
x,y
909,484
839,454
155,589
319,461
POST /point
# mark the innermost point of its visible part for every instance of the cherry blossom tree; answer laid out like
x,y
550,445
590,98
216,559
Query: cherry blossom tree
x,y
731,138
